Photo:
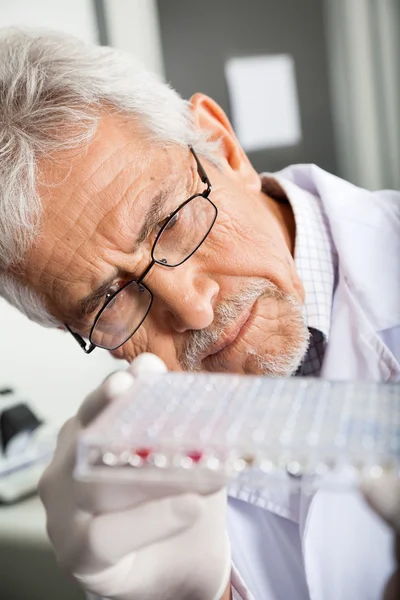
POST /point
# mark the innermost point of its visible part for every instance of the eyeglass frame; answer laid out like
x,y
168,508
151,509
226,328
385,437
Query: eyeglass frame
x,y
88,348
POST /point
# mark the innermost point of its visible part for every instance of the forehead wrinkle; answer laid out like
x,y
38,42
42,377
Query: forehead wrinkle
x,y
89,276
99,190
113,154
58,261
126,195
79,224
91,199
80,184
121,196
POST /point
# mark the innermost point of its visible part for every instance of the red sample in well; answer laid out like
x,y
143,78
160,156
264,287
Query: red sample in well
x,y
195,455
143,453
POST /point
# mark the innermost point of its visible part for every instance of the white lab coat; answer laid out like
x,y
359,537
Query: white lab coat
x,y
364,341
334,547
330,546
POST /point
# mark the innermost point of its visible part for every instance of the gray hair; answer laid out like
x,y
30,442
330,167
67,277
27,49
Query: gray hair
x,y
53,91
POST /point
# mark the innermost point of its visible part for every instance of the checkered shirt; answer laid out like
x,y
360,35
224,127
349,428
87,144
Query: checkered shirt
x,y
316,262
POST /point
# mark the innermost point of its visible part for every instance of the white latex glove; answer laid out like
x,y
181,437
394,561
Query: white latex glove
x,y
134,540
383,495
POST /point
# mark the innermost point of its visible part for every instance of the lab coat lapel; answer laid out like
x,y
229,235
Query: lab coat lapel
x,y
355,350
340,536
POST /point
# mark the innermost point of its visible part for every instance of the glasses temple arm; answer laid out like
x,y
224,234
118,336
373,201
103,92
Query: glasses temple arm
x,y
202,174
87,348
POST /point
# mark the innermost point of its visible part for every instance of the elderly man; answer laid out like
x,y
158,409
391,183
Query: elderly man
x,y
134,221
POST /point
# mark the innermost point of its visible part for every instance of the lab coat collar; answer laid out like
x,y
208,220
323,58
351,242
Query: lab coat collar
x,y
365,230
355,349
314,251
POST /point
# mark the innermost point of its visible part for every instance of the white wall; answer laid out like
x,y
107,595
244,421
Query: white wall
x,y
72,16
47,366
133,26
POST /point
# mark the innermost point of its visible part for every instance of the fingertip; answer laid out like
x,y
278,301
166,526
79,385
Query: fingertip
x,y
118,383
147,363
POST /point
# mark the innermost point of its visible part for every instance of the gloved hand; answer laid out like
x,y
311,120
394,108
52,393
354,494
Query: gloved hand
x,y
383,495
134,540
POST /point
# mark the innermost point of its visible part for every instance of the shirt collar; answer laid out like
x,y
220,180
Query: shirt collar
x,y
315,255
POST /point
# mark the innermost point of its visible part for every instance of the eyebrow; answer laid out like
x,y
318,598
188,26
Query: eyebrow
x,y
156,212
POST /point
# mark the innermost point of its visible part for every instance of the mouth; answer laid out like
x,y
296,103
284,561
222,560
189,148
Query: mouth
x,y
232,334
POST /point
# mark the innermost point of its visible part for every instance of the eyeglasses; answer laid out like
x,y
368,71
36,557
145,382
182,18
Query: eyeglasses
x,y
181,234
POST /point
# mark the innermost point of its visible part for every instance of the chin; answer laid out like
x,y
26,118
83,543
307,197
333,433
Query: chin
x,y
284,365
254,363
277,354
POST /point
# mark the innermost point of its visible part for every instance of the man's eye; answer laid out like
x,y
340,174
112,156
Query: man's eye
x,y
111,291
171,222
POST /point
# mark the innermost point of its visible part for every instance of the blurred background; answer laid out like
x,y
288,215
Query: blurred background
x,y
302,81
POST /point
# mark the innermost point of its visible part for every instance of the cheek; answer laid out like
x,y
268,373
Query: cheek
x,y
242,219
163,345
228,239
150,339
137,344
241,250
249,245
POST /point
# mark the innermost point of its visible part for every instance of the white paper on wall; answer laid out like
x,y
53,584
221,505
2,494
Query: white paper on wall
x,y
264,101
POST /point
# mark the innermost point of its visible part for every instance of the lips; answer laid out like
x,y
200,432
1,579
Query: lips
x,y
231,334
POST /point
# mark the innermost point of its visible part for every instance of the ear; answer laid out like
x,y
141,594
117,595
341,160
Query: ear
x,y
209,117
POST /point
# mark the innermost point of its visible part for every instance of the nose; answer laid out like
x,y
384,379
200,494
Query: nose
x,y
183,297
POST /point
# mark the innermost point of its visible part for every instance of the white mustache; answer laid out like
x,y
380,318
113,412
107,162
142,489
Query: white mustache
x,y
225,314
